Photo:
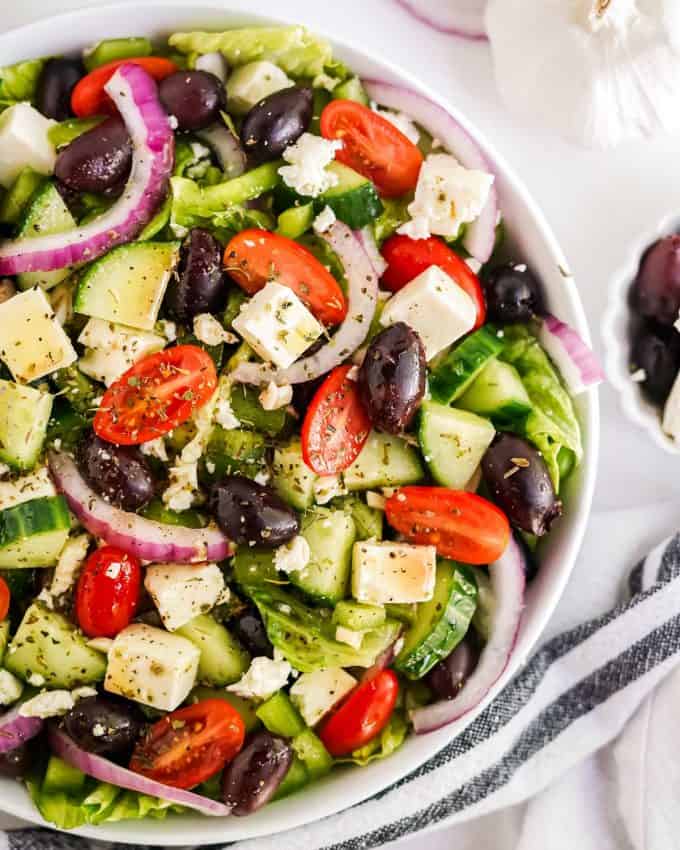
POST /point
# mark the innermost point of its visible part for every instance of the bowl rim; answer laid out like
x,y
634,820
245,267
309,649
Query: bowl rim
x,y
200,830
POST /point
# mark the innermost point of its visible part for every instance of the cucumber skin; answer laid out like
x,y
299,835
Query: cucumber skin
x,y
384,461
292,479
463,364
35,213
233,452
28,521
223,660
280,717
326,576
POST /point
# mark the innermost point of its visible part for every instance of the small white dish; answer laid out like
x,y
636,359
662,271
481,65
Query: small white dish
x,y
616,325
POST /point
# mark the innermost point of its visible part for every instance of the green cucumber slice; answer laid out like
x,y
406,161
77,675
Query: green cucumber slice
x,y
330,535
384,461
33,533
498,392
358,616
223,659
454,374
292,479
24,415
46,214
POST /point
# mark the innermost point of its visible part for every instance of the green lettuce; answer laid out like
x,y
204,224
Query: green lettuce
x,y
18,82
388,742
294,49
552,425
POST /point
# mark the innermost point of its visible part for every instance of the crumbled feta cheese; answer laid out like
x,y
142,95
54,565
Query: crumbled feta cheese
x,y
375,500
315,694
639,376
155,448
173,122
250,83
349,636
61,301
181,592
70,562
262,477
46,598
4,470
327,487
401,121
181,491
210,332
263,678
48,704
224,597
308,159
36,680
101,644
273,397
210,467
111,349
37,485
11,688
168,329
353,374
98,730
447,196
292,556
83,692
324,220
225,416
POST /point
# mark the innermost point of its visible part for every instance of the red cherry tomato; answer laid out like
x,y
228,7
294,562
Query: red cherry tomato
x,y
372,146
336,426
461,525
88,96
156,395
255,257
362,716
5,599
190,745
108,592
406,258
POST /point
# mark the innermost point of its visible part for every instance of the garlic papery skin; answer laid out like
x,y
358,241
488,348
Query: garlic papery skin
x,y
596,72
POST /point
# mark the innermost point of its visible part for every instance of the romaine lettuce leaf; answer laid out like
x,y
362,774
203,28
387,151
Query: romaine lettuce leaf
x,y
18,82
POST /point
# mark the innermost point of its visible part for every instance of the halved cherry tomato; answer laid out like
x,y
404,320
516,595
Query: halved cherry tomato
x,y
336,426
362,716
372,146
5,599
156,395
108,592
406,258
88,96
255,257
190,745
462,526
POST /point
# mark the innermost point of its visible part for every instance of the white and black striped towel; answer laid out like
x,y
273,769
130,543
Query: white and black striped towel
x,y
574,696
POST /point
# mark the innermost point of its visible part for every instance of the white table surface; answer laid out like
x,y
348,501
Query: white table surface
x,y
597,204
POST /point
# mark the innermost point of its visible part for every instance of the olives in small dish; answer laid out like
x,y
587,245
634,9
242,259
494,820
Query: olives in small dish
x,y
520,484
55,84
656,292
254,776
392,378
104,726
449,676
194,98
276,122
251,513
16,763
121,474
512,293
657,353
97,161
199,285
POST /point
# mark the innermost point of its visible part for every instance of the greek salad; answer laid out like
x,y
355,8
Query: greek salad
x,y
283,421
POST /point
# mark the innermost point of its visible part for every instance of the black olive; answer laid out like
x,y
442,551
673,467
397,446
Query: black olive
x,y
199,286
248,512
276,122
121,474
194,98
254,776
55,84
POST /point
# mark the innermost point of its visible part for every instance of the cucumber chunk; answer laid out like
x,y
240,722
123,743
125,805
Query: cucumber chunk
x,y
280,717
61,776
113,49
368,521
330,535
292,479
454,374
384,461
441,623
453,442
358,616
312,753
295,221
233,452
33,533
48,644
223,659
127,285
296,778
19,194
351,89
254,568
46,214
24,414
498,392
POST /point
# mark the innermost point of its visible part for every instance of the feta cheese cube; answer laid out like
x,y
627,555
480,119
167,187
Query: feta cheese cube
x,y
393,572
292,556
315,694
48,704
181,592
70,562
277,325
214,63
435,307
24,142
32,342
447,196
273,397
263,678
155,448
324,220
152,667
37,485
11,688
349,636
671,412
112,349
210,332
309,158
248,84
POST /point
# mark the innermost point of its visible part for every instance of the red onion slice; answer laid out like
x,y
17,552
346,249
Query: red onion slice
x,y
480,236
464,18
15,730
136,96
107,771
362,297
368,243
578,366
144,538
507,581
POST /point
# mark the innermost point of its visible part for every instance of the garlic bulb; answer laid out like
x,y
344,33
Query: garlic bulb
x,y
597,72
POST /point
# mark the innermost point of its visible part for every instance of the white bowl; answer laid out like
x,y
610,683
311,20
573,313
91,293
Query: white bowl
x,y
535,242
616,325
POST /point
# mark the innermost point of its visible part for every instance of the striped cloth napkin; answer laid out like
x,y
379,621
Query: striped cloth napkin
x,y
571,698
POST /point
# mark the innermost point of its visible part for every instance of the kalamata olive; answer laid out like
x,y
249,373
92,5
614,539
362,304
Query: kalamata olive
x,y
104,726
254,776
97,161
512,294
121,474
199,286
195,98
16,763
54,87
657,352
276,122
449,676
250,630
392,378
520,483
248,512
656,292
